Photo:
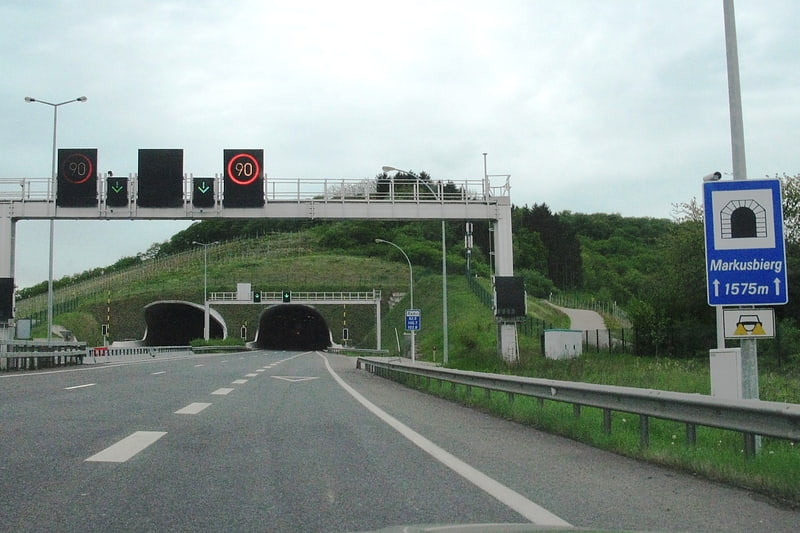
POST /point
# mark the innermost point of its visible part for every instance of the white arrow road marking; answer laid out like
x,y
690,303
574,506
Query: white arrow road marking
x,y
80,386
127,447
192,408
294,379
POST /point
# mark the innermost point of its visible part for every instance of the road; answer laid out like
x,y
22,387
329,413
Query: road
x,y
280,441
588,321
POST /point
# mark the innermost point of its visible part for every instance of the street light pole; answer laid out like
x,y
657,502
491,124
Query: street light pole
x,y
52,225
206,320
387,168
411,292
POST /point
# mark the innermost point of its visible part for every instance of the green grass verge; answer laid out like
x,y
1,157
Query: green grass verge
x,y
717,454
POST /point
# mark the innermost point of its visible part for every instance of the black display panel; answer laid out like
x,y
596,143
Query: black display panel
x,y
203,192
116,192
76,177
243,178
6,298
160,182
509,296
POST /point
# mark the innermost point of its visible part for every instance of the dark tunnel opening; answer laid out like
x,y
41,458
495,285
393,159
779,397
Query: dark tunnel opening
x,y
178,323
292,327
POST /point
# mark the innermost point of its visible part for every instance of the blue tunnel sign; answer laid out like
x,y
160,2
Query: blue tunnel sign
x,y
745,253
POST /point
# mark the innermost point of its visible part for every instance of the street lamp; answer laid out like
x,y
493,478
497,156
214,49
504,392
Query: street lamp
x,y
387,168
206,320
53,187
411,292
445,347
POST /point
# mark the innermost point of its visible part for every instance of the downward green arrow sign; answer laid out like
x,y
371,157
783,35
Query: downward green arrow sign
x,y
117,188
203,188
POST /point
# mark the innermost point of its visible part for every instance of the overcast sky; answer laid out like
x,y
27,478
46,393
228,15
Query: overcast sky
x,y
612,106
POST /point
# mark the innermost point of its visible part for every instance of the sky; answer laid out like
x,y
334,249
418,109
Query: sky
x,y
612,106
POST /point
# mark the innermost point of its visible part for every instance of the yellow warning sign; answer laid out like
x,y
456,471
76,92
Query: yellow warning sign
x,y
749,323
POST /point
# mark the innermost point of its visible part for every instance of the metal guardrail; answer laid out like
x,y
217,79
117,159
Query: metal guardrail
x,y
748,417
27,355
16,355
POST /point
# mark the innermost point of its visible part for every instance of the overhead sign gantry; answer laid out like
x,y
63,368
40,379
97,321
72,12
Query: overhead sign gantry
x,y
161,190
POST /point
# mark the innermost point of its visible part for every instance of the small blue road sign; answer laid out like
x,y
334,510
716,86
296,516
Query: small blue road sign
x,y
413,319
745,253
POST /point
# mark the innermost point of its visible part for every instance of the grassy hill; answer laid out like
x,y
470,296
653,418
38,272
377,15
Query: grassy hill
x,y
294,261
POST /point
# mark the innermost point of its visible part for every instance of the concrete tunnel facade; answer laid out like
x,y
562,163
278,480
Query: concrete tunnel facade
x,y
280,327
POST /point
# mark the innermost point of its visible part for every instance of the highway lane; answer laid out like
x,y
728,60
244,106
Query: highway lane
x,y
282,446
286,449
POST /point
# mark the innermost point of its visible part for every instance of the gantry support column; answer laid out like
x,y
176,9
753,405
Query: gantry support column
x,y
7,236
507,344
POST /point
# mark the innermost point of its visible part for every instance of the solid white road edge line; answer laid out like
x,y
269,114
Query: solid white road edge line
x,y
127,447
516,501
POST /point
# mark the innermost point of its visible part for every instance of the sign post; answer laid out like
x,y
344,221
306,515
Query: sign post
x,y
413,324
745,267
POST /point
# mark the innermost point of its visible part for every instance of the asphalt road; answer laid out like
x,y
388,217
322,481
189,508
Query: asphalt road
x,y
279,441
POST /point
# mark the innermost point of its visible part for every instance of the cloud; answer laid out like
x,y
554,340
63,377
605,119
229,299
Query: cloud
x,y
617,106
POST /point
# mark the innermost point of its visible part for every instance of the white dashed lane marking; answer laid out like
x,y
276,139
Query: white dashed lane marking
x,y
80,386
192,408
127,447
223,391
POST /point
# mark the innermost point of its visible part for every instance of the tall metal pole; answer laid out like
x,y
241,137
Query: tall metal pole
x,y
444,297
748,346
206,319
53,176
52,231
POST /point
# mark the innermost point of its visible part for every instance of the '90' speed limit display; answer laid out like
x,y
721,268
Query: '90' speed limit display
x,y
77,177
244,178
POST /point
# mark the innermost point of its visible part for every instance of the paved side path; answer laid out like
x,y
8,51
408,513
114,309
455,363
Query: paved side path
x,y
585,320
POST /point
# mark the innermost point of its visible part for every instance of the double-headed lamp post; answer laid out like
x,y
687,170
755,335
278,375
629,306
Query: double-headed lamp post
x,y
206,320
53,188
410,290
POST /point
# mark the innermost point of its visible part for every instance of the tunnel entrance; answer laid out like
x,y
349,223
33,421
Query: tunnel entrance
x,y
292,327
177,323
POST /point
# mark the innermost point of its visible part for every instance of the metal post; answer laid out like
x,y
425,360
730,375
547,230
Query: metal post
x,y
206,311
748,346
444,297
53,188
411,291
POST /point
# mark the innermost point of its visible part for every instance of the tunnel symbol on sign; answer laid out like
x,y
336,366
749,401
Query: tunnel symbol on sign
x,y
741,219
749,325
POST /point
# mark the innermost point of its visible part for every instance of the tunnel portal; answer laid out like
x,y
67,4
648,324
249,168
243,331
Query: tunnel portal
x,y
177,323
292,327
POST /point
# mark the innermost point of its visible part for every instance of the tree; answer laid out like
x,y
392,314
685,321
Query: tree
x,y
791,207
